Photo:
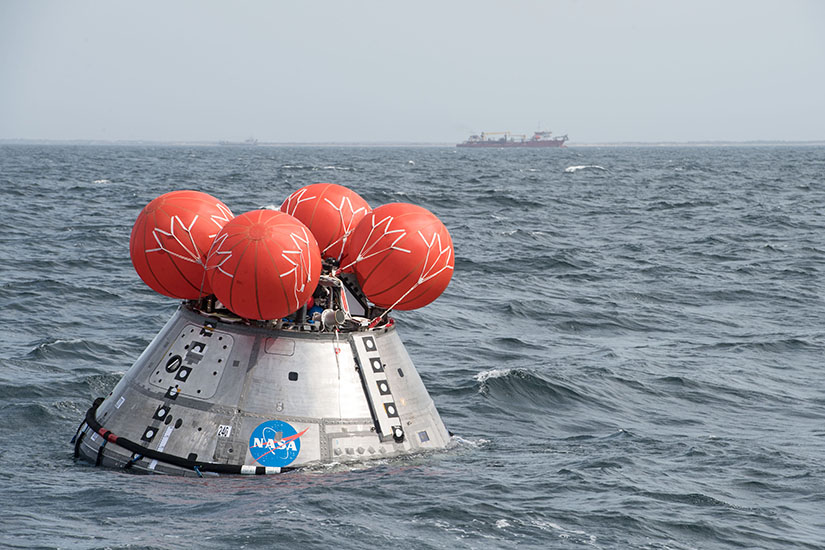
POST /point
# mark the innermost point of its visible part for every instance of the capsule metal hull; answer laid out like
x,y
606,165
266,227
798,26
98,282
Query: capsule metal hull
x,y
214,396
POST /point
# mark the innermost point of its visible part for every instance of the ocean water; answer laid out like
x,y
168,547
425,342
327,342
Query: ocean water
x,y
631,353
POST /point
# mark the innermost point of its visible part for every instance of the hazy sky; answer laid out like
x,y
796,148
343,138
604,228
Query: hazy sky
x,y
310,71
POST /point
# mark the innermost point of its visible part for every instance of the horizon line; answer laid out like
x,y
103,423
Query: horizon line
x,y
226,144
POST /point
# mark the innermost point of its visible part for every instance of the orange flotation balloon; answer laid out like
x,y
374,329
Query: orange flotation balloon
x,y
402,256
171,238
330,211
264,265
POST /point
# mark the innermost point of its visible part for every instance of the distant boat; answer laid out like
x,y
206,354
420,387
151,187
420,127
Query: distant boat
x,y
538,139
246,143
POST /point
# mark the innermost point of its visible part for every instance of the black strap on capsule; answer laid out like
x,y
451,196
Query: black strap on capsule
x,y
99,458
77,439
197,466
135,458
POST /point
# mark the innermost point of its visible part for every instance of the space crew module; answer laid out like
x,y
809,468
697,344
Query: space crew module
x,y
282,352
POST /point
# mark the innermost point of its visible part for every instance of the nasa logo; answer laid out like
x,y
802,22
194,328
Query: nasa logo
x,y
275,443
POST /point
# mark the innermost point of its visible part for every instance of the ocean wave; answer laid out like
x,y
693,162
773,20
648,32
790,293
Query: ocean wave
x,y
37,415
605,323
456,441
569,535
504,199
70,348
501,264
46,387
520,387
492,373
313,168
691,499
594,167
673,205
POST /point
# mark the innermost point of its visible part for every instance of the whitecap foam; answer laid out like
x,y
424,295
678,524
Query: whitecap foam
x,y
60,341
102,181
458,441
576,534
574,169
492,373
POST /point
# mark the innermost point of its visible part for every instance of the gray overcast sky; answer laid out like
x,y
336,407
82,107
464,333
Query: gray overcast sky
x,y
433,71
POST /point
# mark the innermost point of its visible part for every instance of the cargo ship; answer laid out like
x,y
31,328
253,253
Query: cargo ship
x,y
538,139
251,142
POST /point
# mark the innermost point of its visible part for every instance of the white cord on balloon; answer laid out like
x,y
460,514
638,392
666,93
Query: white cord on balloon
x,y
371,253
426,273
193,255
295,199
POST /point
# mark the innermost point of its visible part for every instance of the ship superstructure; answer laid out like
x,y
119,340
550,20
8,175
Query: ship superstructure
x,y
507,139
